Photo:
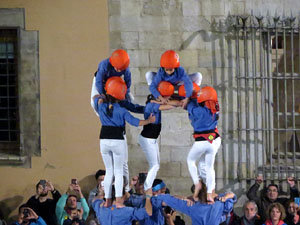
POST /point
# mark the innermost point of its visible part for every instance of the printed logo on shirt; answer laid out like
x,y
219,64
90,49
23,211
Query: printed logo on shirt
x,y
210,137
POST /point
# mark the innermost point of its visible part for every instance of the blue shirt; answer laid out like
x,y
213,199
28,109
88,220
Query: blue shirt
x,y
201,214
154,109
39,221
119,115
106,70
157,217
178,76
113,216
200,117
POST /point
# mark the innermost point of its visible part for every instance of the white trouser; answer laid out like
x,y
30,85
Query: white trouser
x,y
125,165
206,152
151,150
112,151
94,92
195,77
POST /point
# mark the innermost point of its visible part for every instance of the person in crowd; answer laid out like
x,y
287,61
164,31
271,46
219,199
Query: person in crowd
x,y
41,204
171,217
67,206
112,142
293,214
276,214
171,71
271,195
125,215
116,65
250,216
150,133
27,216
204,115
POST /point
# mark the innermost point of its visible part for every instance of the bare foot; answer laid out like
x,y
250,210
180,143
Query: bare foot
x,y
119,205
210,199
198,187
108,203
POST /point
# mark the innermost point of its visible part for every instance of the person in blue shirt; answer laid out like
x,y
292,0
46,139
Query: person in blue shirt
x,y
172,72
116,216
116,65
150,132
112,143
27,216
203,115
202,213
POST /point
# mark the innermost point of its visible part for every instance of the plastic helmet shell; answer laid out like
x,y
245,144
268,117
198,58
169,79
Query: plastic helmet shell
x,y
119,59
165,88
196,89
169,60
116,88
207,94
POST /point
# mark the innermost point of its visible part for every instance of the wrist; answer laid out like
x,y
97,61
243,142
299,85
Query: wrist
x,y
148,196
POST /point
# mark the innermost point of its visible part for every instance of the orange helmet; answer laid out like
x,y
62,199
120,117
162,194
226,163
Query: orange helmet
x,y
165,88
119,59
207,94
169,60
116,88
196,89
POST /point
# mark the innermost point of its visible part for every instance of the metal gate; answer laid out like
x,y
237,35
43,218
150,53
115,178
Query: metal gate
x,y
268,96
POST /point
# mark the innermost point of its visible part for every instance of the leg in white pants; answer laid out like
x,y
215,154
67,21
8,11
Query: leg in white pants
x,y
94,92
149,77
113,157
201,168
209,150
125,165
151,150
196,77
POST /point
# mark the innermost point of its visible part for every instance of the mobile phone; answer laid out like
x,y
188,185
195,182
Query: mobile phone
x,y
168,210
79,205
43,183
74,181
297,201
102,183
142,177
26,213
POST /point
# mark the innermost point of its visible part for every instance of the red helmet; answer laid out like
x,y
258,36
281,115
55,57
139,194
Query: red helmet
x,y
165,88
196,89
119,59
207,94
116,88
169,60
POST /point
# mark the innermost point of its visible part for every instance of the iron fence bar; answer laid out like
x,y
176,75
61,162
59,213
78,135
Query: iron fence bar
x,y
285,93
271,78
255,98
262,71
271,129
270,116
7,90
293,94
276,19
247,110
240,152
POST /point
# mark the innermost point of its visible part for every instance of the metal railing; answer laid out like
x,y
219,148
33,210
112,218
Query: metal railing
x,y
268,91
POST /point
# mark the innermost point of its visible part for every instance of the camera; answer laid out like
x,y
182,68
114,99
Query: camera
x,y
142,177
43,183
168,210
26,213
74,181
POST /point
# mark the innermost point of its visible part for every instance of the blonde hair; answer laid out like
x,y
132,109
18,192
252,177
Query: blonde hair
x,y
279,207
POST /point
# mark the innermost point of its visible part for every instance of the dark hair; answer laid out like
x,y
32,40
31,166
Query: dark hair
x,y
110,108
156,182
202,104
273,185
202,193
69,196
149,98
99,173
23,206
